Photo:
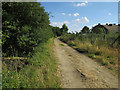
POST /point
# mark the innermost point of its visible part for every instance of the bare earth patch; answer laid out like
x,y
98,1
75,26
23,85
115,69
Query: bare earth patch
x,y
79,71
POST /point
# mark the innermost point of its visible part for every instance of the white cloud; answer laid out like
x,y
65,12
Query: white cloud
x,y
63,13
86,19
109,14
54,23
76,14
85,1
82,20
66,22
81,4
59,24
69,14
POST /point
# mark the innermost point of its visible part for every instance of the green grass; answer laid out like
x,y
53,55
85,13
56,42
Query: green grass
x,y
62,45
104,63
40,73
91,56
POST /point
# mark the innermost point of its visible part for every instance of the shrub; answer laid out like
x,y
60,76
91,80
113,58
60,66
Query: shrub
x,y
98,53
91,56
112,62
104,63
81,50
62,45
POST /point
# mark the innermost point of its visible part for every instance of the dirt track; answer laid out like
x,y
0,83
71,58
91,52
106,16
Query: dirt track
x,y
79,71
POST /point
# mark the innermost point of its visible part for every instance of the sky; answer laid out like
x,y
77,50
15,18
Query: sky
x,y
76,15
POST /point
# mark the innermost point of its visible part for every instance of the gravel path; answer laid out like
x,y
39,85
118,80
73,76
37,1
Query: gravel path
x,y
79,71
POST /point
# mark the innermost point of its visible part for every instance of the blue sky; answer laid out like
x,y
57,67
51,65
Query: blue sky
x,y
78,14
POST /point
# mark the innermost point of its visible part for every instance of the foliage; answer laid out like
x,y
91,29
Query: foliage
x,y
41,72
91,56
98,30
64,29
56,30
62,45
85,30
59,31
25,26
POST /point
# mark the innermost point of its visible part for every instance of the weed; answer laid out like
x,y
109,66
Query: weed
x,y
112,62
108,56
91,56
98,53
81,50
96,47
62,45
39,73
110,68
104,63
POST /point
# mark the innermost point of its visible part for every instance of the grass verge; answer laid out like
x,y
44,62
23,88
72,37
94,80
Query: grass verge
x,y
41,72
102,54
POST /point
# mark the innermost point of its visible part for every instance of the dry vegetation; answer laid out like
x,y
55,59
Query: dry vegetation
x,y
96,48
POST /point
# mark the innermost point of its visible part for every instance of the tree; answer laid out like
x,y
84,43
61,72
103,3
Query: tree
x,y
64,29
25,25
98,30
85,30
56,31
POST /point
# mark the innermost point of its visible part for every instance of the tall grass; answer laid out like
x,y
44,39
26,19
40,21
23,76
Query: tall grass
x,y
96,46
41,72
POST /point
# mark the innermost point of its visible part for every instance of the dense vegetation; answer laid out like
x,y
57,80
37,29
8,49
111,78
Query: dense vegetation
x,y
25,26
101,47
60,31
27,47
85,30
39,72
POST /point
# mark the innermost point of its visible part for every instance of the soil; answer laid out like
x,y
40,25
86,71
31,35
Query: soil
x,y
80,71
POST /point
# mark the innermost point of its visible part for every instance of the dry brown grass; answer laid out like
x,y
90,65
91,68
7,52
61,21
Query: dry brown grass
x,y
105,55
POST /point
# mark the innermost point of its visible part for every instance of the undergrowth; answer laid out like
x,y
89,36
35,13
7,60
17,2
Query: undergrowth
x,y
95,47
41,72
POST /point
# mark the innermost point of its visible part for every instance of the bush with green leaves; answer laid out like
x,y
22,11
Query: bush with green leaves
x,y
25,26
85,30
64,29
98,30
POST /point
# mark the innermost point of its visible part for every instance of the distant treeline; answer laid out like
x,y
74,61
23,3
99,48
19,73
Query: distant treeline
x,y
24,26
96,30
